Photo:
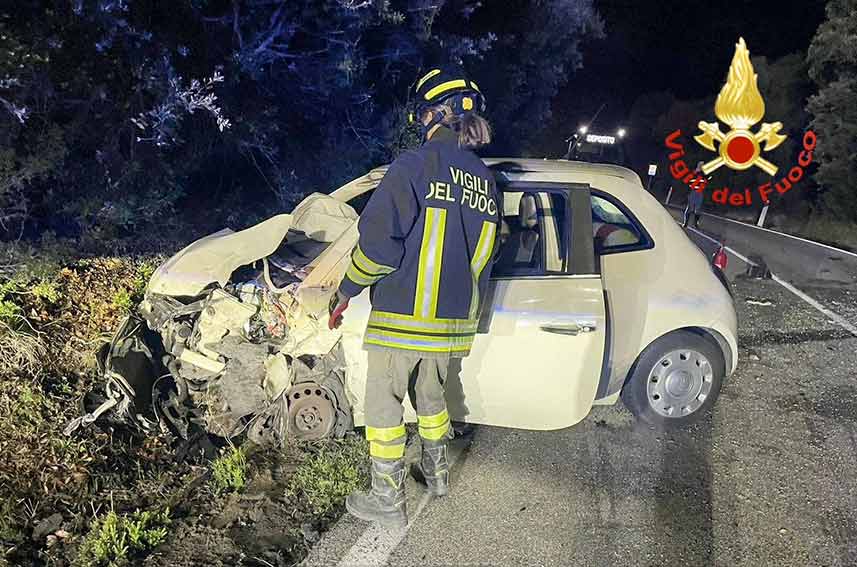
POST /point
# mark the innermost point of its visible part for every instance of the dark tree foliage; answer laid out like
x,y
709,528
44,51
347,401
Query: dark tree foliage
x,y
832,60
537,49
119,114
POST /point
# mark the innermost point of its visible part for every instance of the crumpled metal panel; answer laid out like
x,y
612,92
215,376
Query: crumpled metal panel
x,y
213,258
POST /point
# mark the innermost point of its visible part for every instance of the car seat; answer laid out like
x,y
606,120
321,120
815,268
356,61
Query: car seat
x,y
519,250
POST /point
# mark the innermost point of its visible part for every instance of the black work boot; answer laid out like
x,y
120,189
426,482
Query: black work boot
x,y
385,502
433,468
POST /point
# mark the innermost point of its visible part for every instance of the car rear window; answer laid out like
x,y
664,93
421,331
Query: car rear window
x,y
612,229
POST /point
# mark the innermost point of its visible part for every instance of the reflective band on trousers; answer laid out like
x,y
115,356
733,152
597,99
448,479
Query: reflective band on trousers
x,y
436,433
386,451
431,257
385,433
434,427
480,258
435,420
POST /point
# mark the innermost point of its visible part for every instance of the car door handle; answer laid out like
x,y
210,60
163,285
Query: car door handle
x,y
572,329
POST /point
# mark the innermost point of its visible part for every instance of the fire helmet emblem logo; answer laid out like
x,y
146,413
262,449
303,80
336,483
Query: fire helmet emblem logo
x,y
740,106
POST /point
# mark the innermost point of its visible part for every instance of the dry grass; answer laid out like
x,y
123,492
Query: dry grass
x,y
831,231
51,324
20,351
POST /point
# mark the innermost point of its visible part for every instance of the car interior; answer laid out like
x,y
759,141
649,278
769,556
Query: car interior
x,y
533,229
520,236
611,229
532,234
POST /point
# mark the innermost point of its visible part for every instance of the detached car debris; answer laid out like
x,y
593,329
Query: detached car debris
x,y
227,336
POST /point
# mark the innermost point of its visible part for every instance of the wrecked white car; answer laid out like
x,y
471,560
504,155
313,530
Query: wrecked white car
x,y
232,335
595,293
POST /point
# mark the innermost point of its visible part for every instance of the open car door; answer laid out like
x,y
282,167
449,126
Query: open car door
x,y
538,357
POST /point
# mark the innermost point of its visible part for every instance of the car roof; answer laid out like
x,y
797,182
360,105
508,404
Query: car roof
x,y
561,167
518,169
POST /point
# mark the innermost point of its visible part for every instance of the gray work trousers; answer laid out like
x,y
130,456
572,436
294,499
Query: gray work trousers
x,y
392,374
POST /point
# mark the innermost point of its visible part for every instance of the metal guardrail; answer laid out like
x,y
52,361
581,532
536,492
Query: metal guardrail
x,y
794,257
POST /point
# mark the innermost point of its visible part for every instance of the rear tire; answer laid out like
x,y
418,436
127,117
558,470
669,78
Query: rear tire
x,y
676,380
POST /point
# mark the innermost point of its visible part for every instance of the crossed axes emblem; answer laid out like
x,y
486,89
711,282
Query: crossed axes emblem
x,y
740,148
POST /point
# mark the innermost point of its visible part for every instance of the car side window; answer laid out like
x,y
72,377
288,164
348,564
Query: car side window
x,y
533,234
612,230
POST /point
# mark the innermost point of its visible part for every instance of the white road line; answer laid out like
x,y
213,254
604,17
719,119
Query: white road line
x,y
728,249
821,308
827,312
375,545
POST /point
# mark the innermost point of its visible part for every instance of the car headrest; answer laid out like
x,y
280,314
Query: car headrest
x,y
528,213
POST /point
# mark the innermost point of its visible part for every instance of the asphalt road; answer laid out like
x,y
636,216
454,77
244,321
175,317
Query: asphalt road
x,y
768,479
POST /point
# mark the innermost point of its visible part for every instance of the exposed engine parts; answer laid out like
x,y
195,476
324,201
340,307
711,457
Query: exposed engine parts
x,y
225,362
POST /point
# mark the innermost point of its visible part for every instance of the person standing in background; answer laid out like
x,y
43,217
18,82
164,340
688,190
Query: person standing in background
x,y
695,198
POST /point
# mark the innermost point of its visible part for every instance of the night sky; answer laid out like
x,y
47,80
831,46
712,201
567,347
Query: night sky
x,y
683,47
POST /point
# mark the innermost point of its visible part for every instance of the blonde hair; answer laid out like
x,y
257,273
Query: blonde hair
x,y
473,130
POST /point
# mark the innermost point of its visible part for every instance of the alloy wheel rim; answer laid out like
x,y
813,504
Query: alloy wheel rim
x,y
679,383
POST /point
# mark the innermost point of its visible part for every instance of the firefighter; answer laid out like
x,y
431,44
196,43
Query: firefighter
x,y
427,236
695,197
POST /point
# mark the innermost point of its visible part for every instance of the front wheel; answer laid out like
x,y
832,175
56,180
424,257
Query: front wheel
x,y
676,379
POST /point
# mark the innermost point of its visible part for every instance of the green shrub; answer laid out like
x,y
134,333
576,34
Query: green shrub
x,y
115,540
10,313
141,280
229,471
46,291
331,474
831,230
122,299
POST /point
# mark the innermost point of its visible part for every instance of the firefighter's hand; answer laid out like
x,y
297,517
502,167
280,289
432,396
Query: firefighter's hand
x,y
338,305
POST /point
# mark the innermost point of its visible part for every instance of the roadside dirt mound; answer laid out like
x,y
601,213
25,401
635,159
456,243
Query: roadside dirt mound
x,y
272,521
62,498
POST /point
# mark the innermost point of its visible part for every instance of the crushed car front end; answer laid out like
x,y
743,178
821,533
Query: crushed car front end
x,y
231,336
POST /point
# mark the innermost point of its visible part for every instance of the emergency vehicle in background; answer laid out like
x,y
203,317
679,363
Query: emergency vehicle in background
x,y
591,147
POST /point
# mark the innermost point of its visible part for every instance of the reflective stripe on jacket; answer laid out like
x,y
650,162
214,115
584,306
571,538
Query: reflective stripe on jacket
x,y
426,237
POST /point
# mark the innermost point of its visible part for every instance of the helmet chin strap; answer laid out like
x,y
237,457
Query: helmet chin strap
x,y
437,117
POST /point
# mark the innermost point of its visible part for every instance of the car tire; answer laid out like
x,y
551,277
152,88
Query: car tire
x,y
676,379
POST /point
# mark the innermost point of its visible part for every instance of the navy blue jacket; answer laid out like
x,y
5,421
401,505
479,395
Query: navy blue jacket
x,y
427,235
